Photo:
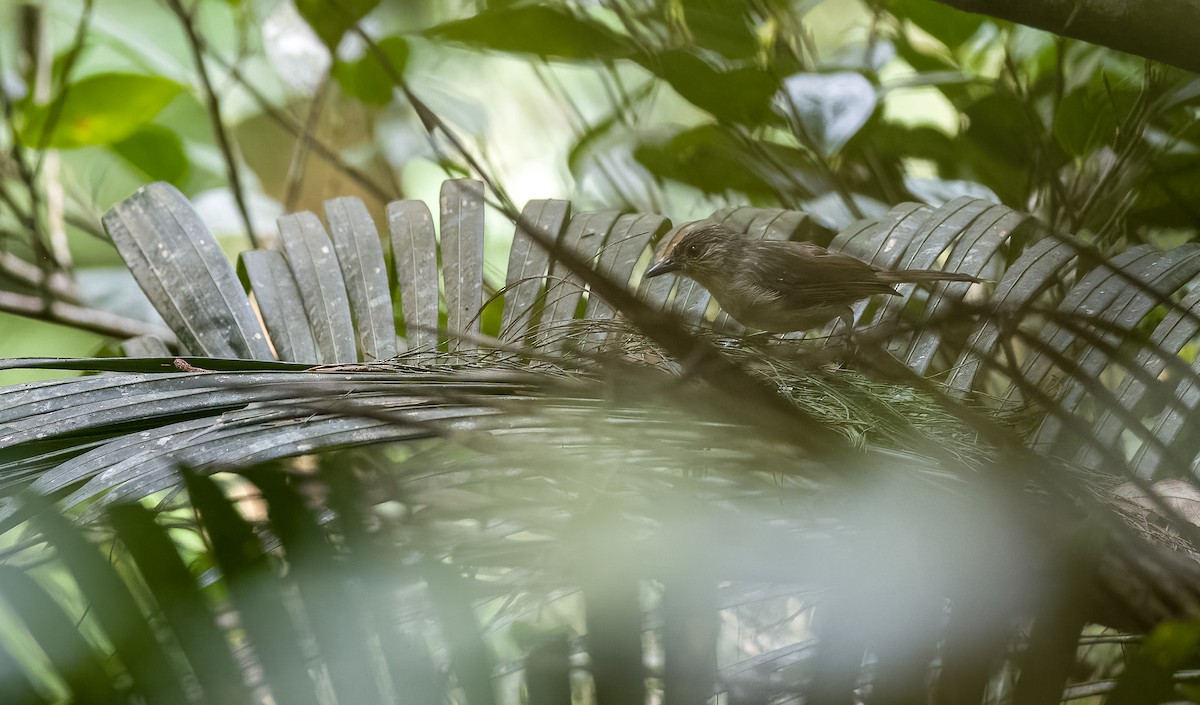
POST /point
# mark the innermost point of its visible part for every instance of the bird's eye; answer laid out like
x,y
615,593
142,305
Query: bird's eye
x,y
691,249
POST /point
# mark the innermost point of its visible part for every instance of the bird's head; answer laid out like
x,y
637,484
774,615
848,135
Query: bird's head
x,y
701,250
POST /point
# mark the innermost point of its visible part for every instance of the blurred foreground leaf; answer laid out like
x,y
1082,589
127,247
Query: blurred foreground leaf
x,y
1149,678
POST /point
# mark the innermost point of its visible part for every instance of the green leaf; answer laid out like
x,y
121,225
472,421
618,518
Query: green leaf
x,y
1038,56
366,78
1088,117
1149,677
714,161
917,141
950,26
741,95
331,20
721,25
997,143
100,109
830,108
255,592
544,31
115,608
923,57
157,152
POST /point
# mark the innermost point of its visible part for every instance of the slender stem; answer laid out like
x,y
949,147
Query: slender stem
x,y
433,123
49,164
214,112
318,148
295,175
13,266
81,317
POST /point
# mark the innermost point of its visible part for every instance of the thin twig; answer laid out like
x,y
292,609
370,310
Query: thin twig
x,y
80,317
318,147
49,165
214,112
433,123
29,218
54,111
29,274
295,175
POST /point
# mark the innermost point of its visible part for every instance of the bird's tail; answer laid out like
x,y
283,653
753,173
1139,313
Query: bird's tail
x,y
914,276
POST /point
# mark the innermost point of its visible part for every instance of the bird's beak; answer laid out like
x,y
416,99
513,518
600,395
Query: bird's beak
x,y
661,267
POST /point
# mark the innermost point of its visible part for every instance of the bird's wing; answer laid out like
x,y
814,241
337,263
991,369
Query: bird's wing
x,y
808,275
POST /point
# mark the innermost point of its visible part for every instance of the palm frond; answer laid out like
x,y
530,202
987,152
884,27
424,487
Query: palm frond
x,y
508,444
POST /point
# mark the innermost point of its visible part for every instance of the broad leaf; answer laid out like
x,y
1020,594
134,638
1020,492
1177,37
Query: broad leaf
x,y
100,109
461,238
157,152
714,160
360,256
952,27
936,191
366,78
1088,117
313,262
739,95
545,31
721,25
331,19
1151,674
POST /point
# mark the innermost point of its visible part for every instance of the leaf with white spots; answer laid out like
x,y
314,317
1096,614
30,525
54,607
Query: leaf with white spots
x,y
360,256
178,263
311,257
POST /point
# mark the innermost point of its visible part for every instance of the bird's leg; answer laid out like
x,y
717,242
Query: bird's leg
x,y
847,319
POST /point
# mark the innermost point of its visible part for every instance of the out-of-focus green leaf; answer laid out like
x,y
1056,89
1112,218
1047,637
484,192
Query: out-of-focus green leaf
x,y
331,19
549,32
740,95
921,57
1088,117
1167,199
1082,121
1149,678
1035,52
997,154
157,152
721,25
991,122
587,141
714,161
916,141
830,108
366,78
100,109
949,26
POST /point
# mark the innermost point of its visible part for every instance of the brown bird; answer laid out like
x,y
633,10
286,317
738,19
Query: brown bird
x,y
777,286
